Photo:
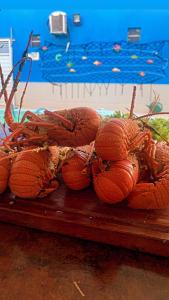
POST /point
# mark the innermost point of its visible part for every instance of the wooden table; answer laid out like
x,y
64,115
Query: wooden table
x,y
44,266
81,214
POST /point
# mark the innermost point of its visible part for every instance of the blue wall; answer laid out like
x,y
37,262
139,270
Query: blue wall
x,y
97,25
86,4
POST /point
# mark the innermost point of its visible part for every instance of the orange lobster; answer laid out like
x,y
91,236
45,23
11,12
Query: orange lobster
x,y
113,181
118,138
72,127
154,194
37,167
76,171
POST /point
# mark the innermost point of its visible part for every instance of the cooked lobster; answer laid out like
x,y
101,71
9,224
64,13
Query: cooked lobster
x,y
74,127
76,170
120,137
113,181
33,173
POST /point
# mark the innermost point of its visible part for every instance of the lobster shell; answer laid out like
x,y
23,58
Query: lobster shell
x,y
85,123
66,128
32,174
75,172
114,139
116,180
153,194
4,171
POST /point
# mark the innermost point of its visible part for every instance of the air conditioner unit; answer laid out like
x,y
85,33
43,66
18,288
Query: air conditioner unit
x,y
58,22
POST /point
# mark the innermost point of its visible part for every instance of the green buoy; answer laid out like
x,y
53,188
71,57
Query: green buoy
x,y
155,109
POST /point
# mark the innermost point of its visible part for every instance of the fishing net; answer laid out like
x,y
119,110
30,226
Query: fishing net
x,y
105,62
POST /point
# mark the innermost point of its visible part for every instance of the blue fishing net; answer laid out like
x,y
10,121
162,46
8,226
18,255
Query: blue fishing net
x,y
105,62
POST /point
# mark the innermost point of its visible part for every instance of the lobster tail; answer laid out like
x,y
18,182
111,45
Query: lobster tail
x,y
37,172
75,171
114,181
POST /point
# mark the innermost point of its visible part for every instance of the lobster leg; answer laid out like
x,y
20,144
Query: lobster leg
x,y
31,116
150,151
26,142
55,116
53,186
139,138
18,131
23,130
30,138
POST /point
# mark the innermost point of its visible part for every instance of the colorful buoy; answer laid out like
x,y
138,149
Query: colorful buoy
x,y
58,57
134,56
84,57
72,70
69,64
117,47
44,48
142,74
97,63
116,70
158,107
150,61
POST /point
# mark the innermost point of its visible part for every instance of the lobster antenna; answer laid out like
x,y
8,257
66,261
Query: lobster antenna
x,y
132,102
156,99
5,97
152,114
3,83
25,88
152,128
16,81
4,91
21,61
9,77
4,86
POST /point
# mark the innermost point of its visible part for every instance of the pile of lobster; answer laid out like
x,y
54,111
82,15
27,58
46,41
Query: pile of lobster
x,y
119,156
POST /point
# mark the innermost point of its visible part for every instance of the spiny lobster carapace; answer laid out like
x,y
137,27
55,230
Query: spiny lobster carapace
x,y
76,171
118,138
33,173
113,181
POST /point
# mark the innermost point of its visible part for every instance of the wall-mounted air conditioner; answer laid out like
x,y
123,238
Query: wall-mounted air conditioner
x,y
58,22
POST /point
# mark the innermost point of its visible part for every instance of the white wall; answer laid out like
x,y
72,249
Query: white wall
x,y
112,96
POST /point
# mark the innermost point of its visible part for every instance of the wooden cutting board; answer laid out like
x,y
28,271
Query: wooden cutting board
x,y
81,214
